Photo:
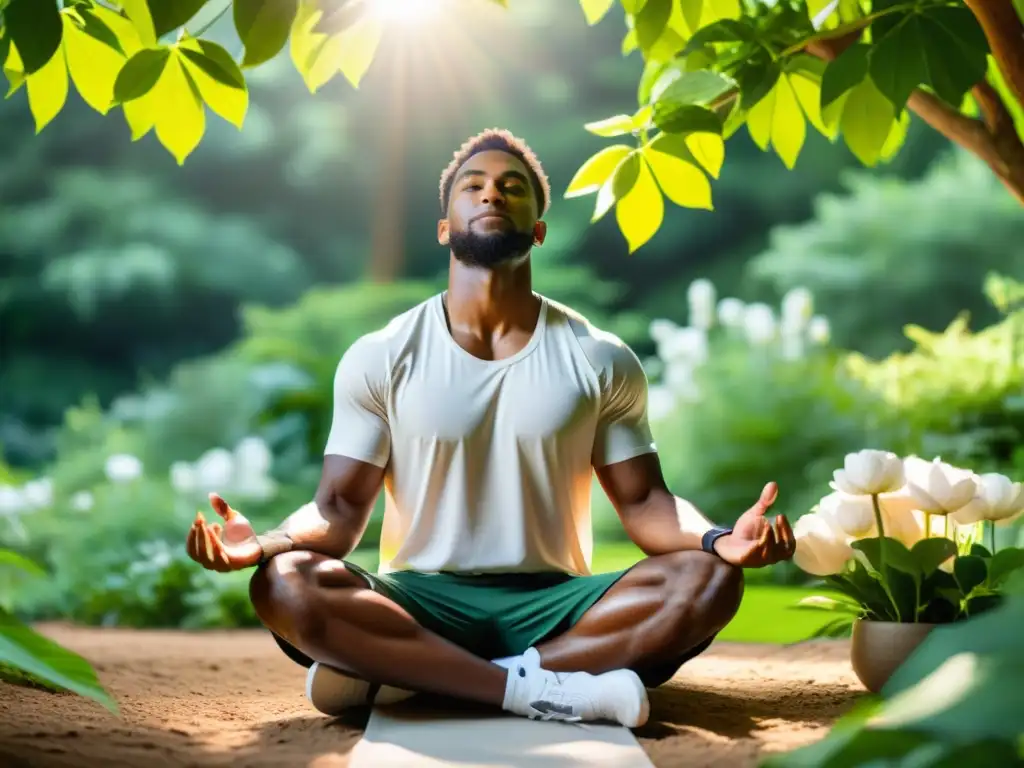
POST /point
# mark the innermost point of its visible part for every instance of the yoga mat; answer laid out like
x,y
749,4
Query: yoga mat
x,y
408,736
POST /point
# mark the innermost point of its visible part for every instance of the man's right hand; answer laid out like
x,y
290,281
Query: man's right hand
x,y
229,548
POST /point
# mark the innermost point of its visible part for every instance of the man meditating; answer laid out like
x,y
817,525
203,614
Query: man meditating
x,y
483,413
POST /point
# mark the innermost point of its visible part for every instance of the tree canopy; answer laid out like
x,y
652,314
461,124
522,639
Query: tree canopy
x,y
850,69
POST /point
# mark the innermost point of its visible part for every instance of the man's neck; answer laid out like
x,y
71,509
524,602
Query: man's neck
x,y
486,301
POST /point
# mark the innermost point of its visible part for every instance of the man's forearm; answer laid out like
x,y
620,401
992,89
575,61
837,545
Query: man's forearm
x,y
664,523
318,526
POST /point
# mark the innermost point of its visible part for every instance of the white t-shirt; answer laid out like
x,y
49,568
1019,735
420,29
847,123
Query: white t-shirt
x,y
489,464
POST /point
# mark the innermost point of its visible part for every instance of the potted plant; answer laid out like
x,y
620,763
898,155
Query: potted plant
x,y
901,542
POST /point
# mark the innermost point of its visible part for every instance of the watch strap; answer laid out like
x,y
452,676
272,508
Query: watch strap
x,y
707,541
273,544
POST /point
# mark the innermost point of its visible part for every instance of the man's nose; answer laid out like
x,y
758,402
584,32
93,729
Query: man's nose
x,y
492,195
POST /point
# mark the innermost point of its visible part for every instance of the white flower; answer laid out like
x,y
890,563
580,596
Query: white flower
x,y
685,344
869,472
701,298
792,344
821,549
82,501
38,494
855,515
680,380
255,487
12,501
797,307
123,468
759,323
730,312
253,455
660,402
661,329
939,488
997,498
215,470
819,330
183,477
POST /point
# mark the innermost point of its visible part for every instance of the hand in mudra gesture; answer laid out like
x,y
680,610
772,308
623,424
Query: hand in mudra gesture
x,y
755,541
230,547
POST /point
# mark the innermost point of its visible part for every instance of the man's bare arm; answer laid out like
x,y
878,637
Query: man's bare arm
x,y
334,522
656,520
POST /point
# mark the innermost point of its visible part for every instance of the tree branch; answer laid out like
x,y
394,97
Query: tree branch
x,y
994,140
1005,32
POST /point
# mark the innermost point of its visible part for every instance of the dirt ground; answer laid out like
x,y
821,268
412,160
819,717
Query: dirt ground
x,y
232,698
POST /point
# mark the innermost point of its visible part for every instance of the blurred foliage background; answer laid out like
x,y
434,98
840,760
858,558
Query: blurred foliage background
x,y
166,331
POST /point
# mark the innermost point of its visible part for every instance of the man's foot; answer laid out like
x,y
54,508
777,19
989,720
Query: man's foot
x,y
618,696
332,691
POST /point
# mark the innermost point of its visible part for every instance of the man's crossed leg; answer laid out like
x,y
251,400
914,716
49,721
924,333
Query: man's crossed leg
x,y
443,633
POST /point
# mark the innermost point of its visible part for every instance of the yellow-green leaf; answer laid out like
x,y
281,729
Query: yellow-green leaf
x,y
678,172
897,135
138,12
641,211
617,125
716,10
359,44
621,181
709,150
778,119
218,78
867,121
93,65
595,10
264,27
629,42
124,29
313,59
596,171
14,70
138,113
177,108
686,15
48,90
808,93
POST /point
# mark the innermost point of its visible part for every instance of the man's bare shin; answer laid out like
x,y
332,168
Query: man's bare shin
x,y
328,613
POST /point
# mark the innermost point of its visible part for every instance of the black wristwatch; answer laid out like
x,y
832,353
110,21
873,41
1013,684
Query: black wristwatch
x,y
707,541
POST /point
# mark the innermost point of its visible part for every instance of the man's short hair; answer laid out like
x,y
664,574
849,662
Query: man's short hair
x,y
501,140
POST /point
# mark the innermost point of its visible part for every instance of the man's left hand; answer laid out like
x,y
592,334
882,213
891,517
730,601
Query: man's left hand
x,y
755,542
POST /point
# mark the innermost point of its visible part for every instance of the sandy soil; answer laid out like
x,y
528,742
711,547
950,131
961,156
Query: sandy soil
x,y
232,698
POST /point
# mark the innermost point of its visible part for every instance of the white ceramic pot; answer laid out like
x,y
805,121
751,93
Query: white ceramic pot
x,y
879,647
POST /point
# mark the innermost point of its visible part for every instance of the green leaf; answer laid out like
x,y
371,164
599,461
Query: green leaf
x,y
896,63
691,12
678,172
618,125
895,553
620,183
95,27
48,90
756,80
13,70
339,18
709,150
970,572
821,603
264,27
641,211
1003,564
722,31
779,120
93,63
844,73
932,552
140,74
686,118
650,78
699,87
596,171
595,10
13,561
218,78
807,88
168,15
651,22
35,28
955,49
142,20
39,656
980,550
980,604
867,121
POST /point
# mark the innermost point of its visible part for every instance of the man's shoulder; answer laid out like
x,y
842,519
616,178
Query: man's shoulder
x,y
604,349
383,344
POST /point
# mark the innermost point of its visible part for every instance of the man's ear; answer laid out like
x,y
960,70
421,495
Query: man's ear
x,y
540,231
443,230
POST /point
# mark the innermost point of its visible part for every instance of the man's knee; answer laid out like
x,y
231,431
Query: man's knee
x,y
285,591
703,587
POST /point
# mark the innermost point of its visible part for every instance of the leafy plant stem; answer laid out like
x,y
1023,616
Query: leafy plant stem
x,y
881,555
992,536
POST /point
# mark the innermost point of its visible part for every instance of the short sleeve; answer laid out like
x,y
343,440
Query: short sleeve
x,y
359,426
623,430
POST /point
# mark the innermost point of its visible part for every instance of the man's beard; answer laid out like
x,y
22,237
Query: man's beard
x,y
491,250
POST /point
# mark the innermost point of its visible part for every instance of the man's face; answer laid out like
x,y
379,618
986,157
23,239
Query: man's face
x,y
492,212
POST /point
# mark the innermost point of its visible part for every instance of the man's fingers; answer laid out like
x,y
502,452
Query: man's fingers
x,y
221,507
769,494
192,541
786,535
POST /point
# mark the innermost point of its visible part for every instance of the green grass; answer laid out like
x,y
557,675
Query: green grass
x,y
766,615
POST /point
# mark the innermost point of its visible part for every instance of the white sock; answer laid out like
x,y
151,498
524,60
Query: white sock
x,y
522,676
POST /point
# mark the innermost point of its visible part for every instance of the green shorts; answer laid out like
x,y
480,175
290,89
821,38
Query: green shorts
x,y
498,615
